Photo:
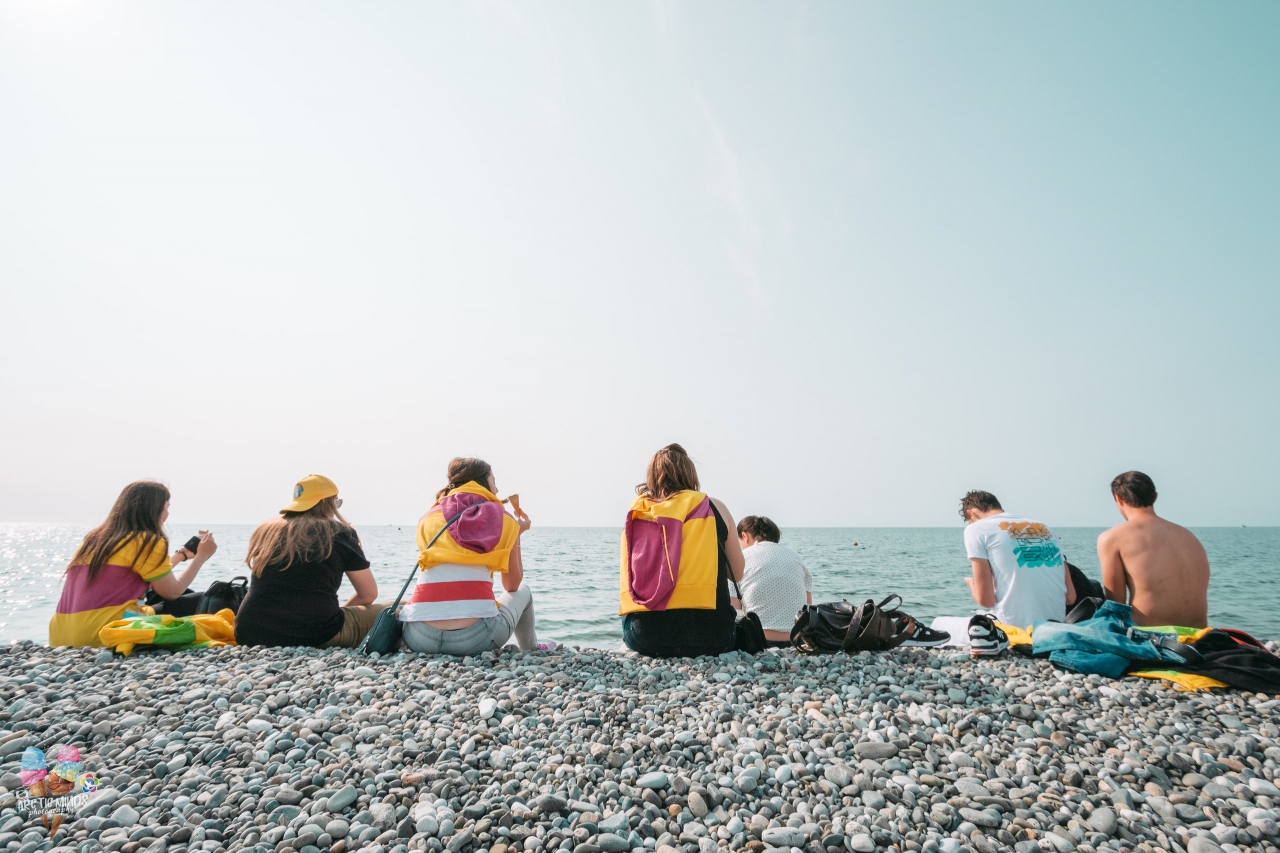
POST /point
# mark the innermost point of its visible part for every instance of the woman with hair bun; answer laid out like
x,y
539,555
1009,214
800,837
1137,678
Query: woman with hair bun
x,y
453,610
677,558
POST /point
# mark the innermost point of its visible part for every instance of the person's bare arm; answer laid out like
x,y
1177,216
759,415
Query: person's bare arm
x,y
1071,587
1113,573
365,585
173,584
983,583
732,548
515,570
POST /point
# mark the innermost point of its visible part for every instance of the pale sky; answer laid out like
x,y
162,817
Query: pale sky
x,y
857,258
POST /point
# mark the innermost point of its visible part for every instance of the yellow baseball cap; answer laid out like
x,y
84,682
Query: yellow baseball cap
x,y
310,491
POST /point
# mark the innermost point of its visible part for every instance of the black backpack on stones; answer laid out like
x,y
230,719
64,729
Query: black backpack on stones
x,y
838,626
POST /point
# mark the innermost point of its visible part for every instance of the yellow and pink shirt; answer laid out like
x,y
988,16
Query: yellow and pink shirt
x,y
457,571
86,606
670,555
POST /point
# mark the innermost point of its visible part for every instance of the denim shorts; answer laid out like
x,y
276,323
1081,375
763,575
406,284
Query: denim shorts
x,y
488,634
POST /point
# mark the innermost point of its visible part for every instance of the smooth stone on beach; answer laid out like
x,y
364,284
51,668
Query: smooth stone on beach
x,y
611,843
655,780
875,751
837,775
861,843
343,798
1263,787
614,824
1201,844
488,706
873,799
783,836
1104,820
980,818
125,816
550,803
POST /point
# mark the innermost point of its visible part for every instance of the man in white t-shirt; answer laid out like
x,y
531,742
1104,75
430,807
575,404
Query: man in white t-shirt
x,y
1019,572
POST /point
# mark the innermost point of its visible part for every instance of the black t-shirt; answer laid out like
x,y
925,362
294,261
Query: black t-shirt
x,y
298,606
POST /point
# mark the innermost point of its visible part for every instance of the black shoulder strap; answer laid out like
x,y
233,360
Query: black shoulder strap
x,y
413,573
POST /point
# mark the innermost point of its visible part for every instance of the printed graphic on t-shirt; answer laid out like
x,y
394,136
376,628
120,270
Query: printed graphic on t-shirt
x,y
1033,544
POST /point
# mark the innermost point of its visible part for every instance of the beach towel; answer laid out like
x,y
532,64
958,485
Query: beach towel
x,y
956,626
1184,680
175,633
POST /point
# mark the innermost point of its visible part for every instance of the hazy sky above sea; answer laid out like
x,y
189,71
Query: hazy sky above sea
x,y
857,258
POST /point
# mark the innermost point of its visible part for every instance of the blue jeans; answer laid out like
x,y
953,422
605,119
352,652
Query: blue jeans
x,y
1099,645
514,616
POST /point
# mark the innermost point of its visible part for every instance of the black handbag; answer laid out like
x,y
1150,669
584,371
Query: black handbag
x,y
384,636
748,632
840,627
1083,610
224,595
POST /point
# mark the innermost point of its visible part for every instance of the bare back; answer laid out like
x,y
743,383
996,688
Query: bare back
x,y
1160,568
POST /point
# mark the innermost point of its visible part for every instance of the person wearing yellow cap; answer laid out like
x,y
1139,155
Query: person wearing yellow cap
x,y
298,561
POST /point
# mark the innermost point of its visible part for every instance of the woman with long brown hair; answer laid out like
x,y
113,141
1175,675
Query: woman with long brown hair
x,y
453,610
677,558
298,561
118,561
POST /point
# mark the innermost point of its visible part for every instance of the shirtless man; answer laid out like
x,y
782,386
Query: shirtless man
x,y
1159,568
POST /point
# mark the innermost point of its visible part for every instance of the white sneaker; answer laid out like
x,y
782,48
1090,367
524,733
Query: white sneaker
x,y
985,639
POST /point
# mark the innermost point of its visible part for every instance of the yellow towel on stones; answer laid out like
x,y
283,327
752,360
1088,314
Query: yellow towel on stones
x,y
1184,680
1017,636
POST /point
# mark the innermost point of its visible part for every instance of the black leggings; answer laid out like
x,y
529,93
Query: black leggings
x,y
713,640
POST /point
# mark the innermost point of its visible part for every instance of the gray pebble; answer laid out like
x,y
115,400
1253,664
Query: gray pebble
x,y
1104,820
861,843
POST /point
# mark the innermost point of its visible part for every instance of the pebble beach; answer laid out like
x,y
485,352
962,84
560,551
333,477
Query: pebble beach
x,y
328,751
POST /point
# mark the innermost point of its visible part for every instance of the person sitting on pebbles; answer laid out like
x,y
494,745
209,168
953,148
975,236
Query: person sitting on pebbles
x,y
118,561
1158,567
453,610
775,583
298,561
677,557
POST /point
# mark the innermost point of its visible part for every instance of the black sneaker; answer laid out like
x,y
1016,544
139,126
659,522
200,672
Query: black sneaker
x,y
985,639
927,637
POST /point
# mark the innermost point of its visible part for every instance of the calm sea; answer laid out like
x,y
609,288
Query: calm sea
x,y
574,572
